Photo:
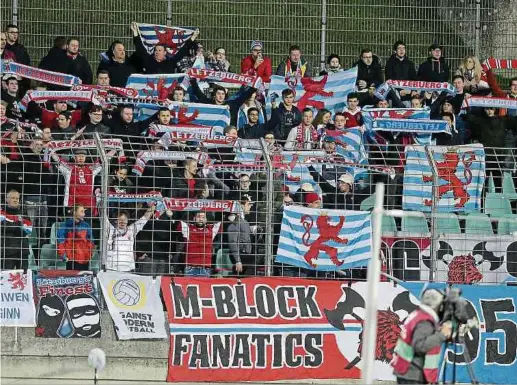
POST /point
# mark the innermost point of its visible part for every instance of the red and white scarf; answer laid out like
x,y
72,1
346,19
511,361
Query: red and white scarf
x,y
492,63
301,136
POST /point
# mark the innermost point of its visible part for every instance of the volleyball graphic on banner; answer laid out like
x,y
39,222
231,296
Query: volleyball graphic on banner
x,y
127,292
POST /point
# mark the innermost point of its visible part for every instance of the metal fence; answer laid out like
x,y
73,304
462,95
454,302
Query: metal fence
x,y
431,245
320,27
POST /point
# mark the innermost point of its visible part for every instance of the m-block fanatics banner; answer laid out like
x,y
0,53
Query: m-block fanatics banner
x,y
270,329
17,298
67,305
325,239
134,304
461,176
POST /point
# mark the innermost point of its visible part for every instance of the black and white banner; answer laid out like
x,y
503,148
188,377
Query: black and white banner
x,y
134,305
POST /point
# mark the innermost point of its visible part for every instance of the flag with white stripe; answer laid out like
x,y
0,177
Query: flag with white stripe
x,y
196,114
326,240
172,37
328,91
461,176
158,86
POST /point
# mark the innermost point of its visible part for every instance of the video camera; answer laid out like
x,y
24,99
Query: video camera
x,y
456,309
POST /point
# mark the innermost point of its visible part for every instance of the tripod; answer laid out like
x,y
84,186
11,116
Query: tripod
x,y
458,339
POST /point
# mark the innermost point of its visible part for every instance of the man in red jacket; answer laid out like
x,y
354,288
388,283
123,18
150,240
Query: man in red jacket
x,y
257,64
198,241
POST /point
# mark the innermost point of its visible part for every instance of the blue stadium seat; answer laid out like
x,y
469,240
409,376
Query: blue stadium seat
x,y
508,226
53,232
368,203
497,205
448,225
478,224
491,184
508,186
415,224
388,224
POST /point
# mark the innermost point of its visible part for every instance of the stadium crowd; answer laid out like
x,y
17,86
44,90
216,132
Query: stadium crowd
x,y
51,197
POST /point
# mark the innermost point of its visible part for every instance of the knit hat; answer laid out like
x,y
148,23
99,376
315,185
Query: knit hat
x,y
333,56
257,43
311,198
434,46
347,178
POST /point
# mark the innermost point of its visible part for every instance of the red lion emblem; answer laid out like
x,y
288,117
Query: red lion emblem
x,y
312,88
463,270
168,38
182,118
328,232
388,332
17,281
447,171
159,88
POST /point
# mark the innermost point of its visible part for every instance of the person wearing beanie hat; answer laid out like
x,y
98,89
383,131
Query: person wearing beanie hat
x,y
313,200
256,64
398,66
435,68
333,65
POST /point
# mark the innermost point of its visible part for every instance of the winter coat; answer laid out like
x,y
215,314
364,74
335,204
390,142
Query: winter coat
x,y
56,60
37,176
74,241
239,238
20,52
80,67
491,132
118,72
371,74
434,70
397,69
13,231
287,68
249,131
264,70
151,66
279,123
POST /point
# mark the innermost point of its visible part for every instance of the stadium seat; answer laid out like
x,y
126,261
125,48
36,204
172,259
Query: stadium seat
x,y
368,203
48,256
508,186
415,224
95,262
491,184
448,225
478,224
53,232
508,226
388,224
223,263
497,205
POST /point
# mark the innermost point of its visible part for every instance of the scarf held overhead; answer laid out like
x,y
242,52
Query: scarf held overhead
x,y
185,204
492,63
146,156
44,76
41,96
105,91
226,77
414,126
486,102
415,85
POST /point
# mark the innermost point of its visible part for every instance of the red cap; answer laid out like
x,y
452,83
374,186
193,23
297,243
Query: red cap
x,y
311,197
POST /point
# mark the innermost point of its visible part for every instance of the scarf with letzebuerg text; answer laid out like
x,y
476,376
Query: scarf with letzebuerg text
x,y
491,63
204,140
155,129
107,90
109,144
239,168
41,96
410,126
488,102
29,126
185,204
415,85
146,156
40,75
149,199
225,77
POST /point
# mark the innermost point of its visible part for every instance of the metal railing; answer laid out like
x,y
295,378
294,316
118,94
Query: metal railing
x,y
320,27
426,244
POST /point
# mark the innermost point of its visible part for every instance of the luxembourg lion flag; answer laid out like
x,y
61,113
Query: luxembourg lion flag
x,y
460,178
325,240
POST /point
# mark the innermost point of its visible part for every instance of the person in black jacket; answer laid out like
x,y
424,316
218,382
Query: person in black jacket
x,y
369,70
158,62
116,63
14,245
285,117
12,34
77,63
56,59
220,98
38,184
435,68
184,181
398,66
95,123
252,130
123,126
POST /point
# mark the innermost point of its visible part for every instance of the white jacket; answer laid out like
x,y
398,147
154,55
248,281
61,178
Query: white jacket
x,y
121,243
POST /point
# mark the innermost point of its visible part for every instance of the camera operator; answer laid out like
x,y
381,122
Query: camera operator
x,y
417,354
